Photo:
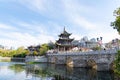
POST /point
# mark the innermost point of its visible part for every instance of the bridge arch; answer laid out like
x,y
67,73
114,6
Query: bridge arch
x,y
54,60
91,63
69,62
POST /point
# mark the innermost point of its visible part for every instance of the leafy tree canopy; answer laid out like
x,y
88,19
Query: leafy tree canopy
x,y
116,23
43,49
117,63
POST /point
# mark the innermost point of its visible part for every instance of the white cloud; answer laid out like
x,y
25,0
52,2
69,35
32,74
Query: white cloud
x,y
74,13
4,26
35,5
82,22
70,13
76,37
74,10
107,35
25,39
17,39
48,9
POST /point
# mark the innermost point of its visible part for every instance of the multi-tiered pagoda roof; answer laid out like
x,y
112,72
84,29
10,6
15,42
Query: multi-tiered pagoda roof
x,y
64,42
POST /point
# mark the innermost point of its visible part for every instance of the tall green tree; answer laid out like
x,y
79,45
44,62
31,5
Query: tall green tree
x,y
43,49
20,50
35,53
117,63
116,23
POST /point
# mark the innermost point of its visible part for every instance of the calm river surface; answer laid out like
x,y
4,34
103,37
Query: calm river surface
x,y
22,71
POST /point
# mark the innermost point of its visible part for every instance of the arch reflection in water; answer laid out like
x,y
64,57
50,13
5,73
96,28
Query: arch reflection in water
x,y
22,71
91,63
61,72
69,62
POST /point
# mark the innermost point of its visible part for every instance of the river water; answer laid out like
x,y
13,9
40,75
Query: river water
x,y
23,71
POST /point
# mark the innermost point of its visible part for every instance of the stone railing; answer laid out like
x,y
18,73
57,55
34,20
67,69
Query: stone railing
x,y
111,51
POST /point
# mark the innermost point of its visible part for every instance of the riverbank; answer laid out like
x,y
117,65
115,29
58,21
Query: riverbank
x,y
8,59
36,59
5,59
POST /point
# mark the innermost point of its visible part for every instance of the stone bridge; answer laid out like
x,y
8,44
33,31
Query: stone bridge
x,y
99,60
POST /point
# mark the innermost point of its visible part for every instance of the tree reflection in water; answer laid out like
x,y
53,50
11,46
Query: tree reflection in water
x,y
14,71
17,68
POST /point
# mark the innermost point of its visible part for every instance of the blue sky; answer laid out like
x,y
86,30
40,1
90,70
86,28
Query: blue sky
x,y
32,22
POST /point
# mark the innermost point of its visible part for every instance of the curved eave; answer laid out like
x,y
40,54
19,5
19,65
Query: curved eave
x,y
66,39
66,45
64,34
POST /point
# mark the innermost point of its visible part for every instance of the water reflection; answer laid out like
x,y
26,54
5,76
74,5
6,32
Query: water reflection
x,y
17,68
60,72
22,71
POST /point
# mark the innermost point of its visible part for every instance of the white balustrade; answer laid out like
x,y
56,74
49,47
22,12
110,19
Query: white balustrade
x,y
110,51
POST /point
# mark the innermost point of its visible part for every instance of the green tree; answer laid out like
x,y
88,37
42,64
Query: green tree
x,y
117,63
96,48
20,50
116,23
27,52
35,53
43,49
17,68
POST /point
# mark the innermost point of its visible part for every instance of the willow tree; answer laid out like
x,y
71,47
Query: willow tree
x,y
116,23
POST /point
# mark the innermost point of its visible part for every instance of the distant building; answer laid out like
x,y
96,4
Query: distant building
x,y
75,43
85,43
115,43
34,48
64,43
